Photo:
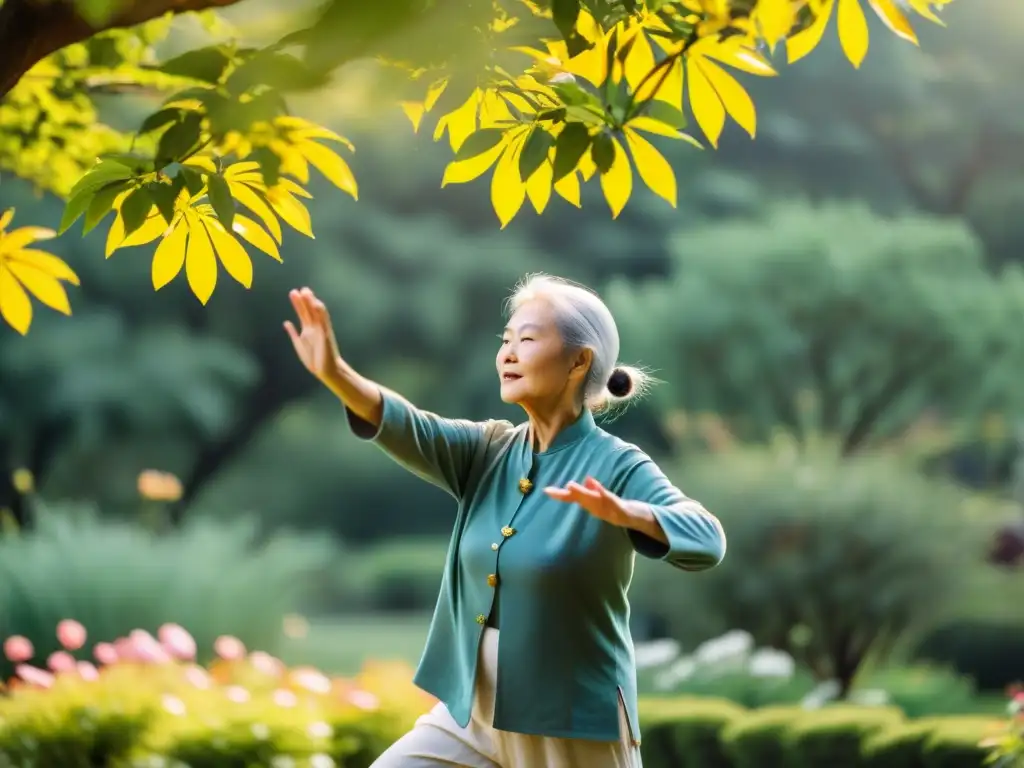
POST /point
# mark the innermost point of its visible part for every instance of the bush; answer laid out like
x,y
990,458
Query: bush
x,y
830,559
154,705
759,740
898,746
113,577
957,743
685,732
401,575
834,736
922,691
988,651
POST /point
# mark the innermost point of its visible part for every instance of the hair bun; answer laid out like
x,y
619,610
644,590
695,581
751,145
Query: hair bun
x,y
620,383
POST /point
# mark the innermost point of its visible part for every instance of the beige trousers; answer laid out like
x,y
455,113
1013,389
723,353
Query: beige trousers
x,y
437,741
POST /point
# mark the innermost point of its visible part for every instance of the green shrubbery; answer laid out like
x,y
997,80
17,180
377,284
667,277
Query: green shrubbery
x,y
710,733
214,578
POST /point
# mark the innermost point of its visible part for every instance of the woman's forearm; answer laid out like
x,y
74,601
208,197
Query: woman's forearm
x,y
359,394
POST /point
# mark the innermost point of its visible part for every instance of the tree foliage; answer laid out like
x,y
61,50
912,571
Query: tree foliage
x,y
548,94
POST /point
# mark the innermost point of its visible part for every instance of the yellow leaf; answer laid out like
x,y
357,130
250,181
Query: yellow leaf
x,y
200,262
202,163
170,254
568,188
230,252
154,226
330,165
290,210
460,122
617,183
293,162
22,236
255,235
295,189
15,306
924,8
802,43
591,64
46,262
508,192
708,110
639,63
586,167
853,30
775,18
538,187
306,130
650,125
894,19
493,109
5,219
43,286
734,97
465,171
414,110
653,168
245,195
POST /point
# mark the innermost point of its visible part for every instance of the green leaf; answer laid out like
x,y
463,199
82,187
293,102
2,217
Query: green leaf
x,y
102,173
192,179
135,209
75,207
280,71
220,198
164,196
603,152
178,140
479,142
206,64
159,119
566,13
137,163
270,165
535,152
102,203
575,95
663,112
570,146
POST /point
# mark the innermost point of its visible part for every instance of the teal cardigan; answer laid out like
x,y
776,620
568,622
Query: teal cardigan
x,y
565,657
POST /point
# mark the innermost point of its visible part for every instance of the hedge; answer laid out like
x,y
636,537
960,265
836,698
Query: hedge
x,y
148,703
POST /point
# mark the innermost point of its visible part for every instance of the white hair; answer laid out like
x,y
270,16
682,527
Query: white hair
x,y
585,322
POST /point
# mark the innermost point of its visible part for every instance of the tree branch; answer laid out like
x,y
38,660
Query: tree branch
x,y
30,30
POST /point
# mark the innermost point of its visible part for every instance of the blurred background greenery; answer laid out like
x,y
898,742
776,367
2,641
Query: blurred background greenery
x,y
836,311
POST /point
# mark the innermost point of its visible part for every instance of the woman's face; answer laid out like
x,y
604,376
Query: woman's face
x,y
534,367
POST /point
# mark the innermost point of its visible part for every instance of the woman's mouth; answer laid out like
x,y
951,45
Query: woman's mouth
x,y
510,377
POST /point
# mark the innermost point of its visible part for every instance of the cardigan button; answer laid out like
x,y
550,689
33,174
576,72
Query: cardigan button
x,y
492,580
525,486
494,546
508,531
481,619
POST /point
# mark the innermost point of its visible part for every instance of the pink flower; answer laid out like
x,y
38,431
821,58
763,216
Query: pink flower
x,y
34,675
71,634
178,642
105,654
229,648
18,649
88,670
363,700
173,705
61,661
197,676
146,648
265,663
238,694
284,698
312,680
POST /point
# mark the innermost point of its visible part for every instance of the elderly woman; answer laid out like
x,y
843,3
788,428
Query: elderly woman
x,y
529,651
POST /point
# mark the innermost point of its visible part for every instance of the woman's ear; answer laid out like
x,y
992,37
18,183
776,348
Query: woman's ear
x,y
581,362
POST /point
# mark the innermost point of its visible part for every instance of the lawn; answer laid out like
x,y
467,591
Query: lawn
x,y
340,645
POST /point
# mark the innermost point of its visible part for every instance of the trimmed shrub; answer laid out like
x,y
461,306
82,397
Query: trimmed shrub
x,y
213,578
956,742
759,740
897,746
835,736
698,733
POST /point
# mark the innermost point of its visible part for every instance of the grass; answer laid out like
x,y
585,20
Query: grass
x,y
340,645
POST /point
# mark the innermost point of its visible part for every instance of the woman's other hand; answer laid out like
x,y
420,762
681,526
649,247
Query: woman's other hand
x,y
314,343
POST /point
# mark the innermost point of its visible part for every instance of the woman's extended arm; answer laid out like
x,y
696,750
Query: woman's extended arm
x,y
437,449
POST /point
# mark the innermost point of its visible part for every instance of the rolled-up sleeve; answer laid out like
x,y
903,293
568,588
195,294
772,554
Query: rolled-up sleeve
x,y
437,449
696,540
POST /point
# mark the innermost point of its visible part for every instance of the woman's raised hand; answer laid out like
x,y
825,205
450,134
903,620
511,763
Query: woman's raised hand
x,y
315,344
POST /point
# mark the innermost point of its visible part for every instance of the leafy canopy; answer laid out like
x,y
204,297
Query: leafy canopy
x,y
548,94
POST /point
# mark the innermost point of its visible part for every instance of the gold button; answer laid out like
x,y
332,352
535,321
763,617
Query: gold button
x,y
636,742
507,531
494,546
492,579
525,486
481,619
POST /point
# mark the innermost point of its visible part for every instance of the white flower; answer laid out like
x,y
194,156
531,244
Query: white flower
x,y
173,705
769,662
680,671
320,730
321,761
821,695
730,648
656,653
